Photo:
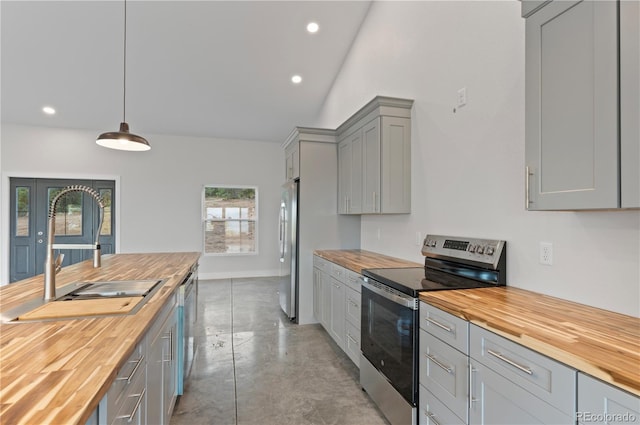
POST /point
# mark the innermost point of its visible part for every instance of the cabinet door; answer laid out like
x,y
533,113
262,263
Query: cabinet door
x,y
496,400
326,301
600,403
395,165
169,367
572,106
630,103
371,167
345,154
337,312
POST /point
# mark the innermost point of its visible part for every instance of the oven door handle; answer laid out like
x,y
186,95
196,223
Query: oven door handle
x,y
390,293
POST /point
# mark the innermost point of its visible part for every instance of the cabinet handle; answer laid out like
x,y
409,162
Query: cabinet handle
x,y
472,400
440,325
431,417
170,338
352,338
507,360
353,303
438,363
133,372
528,174
136,407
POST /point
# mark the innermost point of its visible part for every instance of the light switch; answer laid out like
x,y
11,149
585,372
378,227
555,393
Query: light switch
x,y
462,97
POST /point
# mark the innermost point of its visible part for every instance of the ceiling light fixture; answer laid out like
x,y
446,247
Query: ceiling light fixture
x,y
313,27
123,139
48,110
296,79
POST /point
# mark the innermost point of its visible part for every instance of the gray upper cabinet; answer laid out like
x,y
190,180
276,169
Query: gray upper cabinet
x,y
375,159
630,103
573,106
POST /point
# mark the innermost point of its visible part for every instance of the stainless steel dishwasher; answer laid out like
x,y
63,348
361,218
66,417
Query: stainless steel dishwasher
x,y
187,316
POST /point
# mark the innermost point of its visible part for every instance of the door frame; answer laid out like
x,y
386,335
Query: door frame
x,y
5,213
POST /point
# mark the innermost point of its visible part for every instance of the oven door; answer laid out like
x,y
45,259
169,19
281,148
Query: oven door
x,y
389,336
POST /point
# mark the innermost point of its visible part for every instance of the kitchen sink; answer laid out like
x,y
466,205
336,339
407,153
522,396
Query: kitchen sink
x,y
81,300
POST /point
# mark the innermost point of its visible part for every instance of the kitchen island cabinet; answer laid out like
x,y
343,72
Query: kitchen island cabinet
x,y
58,371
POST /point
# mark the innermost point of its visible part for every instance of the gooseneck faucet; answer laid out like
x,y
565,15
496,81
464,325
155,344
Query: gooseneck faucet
x,y
52,266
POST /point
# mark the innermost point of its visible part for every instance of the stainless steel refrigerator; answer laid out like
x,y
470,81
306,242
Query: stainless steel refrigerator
x,y
289,250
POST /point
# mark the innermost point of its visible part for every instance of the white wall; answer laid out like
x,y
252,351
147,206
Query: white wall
x,y
468,167
159,191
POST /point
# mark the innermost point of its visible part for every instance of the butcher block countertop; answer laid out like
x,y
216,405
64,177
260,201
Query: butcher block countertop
x,y
56,372
356,260
600,343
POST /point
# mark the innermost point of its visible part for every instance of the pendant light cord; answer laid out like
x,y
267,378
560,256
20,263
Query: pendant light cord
x,y
124,79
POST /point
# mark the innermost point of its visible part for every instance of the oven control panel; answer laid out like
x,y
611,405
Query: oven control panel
x,y
483,251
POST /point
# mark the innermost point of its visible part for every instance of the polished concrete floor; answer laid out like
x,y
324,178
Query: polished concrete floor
x,y
253,367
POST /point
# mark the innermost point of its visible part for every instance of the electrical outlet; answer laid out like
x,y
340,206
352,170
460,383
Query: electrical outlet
x,y
546,253
462,97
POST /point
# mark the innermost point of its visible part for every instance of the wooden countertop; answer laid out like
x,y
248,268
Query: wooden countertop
x,y
600,343
356,260
57,372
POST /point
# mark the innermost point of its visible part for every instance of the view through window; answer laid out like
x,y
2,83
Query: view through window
x,y
231,217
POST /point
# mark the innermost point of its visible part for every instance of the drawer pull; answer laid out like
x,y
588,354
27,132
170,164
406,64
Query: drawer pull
x,y
136,407
438,363
525,369
431,417
133,372
353,303
472,400
352,338
440,325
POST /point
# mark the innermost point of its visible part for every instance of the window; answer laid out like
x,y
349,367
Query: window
x,y
230,220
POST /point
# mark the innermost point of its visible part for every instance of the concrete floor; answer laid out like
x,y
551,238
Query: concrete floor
x,y
254,367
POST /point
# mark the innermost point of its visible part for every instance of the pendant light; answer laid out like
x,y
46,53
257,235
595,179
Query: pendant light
x,y
123,139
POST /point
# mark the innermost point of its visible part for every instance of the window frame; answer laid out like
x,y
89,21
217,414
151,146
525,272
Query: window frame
x,y
204,220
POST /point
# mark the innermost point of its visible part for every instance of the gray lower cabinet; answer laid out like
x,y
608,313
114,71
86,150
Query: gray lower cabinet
x,y
601,403
443,367
513,384
161,366
338,305
582,105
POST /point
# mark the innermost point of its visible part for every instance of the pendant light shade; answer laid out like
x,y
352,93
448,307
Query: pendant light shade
x,y
123,139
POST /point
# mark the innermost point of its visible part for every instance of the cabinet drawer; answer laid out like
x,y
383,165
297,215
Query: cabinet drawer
x,y
433,412
449,328
353,301
131,371
339,273
352,343
601,403
444,372
352,280
321,264
553,382
132,404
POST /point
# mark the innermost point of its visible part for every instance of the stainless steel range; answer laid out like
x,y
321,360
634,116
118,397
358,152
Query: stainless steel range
x,y
390,324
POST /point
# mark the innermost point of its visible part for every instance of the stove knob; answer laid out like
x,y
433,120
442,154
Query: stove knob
x,y
433,244
480,250
472,248
490,250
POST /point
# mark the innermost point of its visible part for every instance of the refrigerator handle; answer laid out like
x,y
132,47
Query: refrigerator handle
x,y
282,230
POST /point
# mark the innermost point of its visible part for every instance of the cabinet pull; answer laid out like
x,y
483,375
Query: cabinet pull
x,y
352,338
438,363
440,325
472,400
525,369
527,200
136,407
431,417
353,303
133,372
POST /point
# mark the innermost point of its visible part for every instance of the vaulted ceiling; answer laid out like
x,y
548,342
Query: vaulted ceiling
x,y
199,68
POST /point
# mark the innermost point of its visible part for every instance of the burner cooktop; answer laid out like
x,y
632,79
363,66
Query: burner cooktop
x,y
412,280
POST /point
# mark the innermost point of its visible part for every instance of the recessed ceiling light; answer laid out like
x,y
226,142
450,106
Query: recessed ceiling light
x,y
48,110
296,79
313,27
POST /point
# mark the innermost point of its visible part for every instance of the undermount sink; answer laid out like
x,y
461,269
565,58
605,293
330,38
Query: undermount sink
x,y
81,300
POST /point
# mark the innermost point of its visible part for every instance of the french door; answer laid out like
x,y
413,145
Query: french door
x,y
77,218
